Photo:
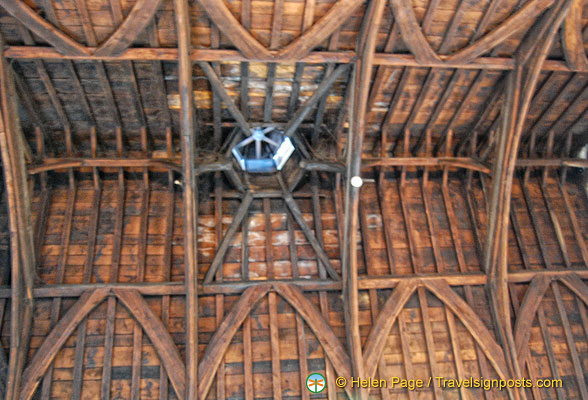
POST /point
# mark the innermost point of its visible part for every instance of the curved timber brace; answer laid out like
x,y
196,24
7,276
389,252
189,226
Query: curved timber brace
x,y
12,145
520,86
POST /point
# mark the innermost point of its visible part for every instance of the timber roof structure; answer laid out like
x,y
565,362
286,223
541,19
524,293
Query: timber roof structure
x,y
431,222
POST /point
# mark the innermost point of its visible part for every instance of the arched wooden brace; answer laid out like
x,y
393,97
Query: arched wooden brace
x,y
324,333
224,19
412,34
571,38
376,340
141,14
219,343
529,306
25,15
160,338
506,29
250,47
473,324
320,30
57,338
139,309
531,302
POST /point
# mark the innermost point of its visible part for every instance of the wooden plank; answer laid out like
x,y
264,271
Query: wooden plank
x,y
570,341
87,275
159,336
218,88
57,338
275,346
60,273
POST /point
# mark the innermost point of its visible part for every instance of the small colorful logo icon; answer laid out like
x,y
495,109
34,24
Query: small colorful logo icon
x,y
316,383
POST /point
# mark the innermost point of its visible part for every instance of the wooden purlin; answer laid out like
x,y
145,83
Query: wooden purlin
x,y
187,133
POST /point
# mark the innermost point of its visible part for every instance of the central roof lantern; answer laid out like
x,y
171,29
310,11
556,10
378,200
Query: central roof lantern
x,y
266,150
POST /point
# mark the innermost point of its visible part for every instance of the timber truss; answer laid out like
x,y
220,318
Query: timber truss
x,y
191,377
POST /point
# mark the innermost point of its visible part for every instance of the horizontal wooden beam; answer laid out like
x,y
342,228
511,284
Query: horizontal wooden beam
x,y
315,57
231,288
469,162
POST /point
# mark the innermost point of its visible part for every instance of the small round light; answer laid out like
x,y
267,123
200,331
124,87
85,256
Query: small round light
x,y
356,181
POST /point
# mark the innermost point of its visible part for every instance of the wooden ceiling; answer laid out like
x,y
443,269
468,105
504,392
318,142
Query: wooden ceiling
x,y
422,95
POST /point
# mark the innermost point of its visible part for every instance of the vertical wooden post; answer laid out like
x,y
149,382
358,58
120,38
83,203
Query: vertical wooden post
x,y
22,247
190,195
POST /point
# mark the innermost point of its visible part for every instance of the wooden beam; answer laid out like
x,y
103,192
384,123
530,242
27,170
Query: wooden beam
x,y
187,131
57,338
520,87
305,109
158,335
358,109
141,14
228,238
218,88
513,24
315,57
62,43
572,38
411,32
22,246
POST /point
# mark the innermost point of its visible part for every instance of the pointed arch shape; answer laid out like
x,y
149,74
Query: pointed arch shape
x,y
473,324
32,21
513,24
532,301
376,340
159,336
141,14
219,343
46,353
